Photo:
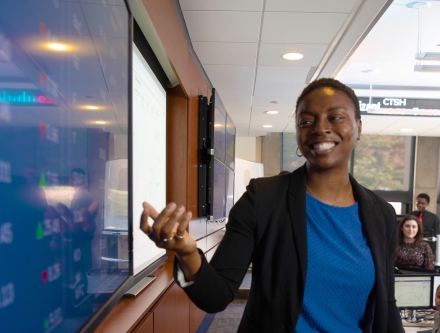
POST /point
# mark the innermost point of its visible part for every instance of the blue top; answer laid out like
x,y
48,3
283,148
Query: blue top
x,y
340,274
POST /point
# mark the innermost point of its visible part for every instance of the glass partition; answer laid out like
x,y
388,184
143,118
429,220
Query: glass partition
x,y
64,88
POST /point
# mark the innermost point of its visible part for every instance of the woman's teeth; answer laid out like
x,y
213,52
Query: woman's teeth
x,y
323,145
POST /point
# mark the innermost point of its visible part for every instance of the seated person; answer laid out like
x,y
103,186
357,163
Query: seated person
x,y
412,251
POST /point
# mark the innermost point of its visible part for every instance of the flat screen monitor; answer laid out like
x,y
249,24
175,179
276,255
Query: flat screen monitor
x,y
230,143
413,291
219,129
435,284
230,180
219,193
64,122
149,156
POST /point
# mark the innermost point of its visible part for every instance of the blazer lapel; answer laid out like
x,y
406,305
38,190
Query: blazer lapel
x,y
296,198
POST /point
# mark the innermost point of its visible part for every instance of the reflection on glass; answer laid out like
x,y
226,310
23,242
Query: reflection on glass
x,y
63,128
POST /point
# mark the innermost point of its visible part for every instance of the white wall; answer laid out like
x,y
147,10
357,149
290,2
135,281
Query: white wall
x,y
248,148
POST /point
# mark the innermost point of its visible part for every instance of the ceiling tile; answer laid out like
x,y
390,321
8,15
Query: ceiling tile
x,y
277,90
242,5
223,26
270,54
290,27
375,124
273,74
230,73
319,6
287,101
232,88
236,101
216,53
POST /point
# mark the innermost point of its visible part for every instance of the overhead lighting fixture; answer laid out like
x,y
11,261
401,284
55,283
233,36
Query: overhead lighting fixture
x,y
273,102
267,126
91,107
100,122
417,4
406,130
426,68
57,47
271,112
428,56
292,56
217,125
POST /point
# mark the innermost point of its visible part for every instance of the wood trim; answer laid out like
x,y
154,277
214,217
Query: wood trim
x,y
130,311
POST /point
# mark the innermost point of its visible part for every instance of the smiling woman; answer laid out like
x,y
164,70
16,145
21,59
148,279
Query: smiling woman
x,y
308,233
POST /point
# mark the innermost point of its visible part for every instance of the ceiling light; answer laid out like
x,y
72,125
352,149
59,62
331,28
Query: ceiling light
x,y
271,112
292,56
100,122
92,107
417,4
273,102
426,68
371,71
267,126
428,56
406,130
217,125
57,46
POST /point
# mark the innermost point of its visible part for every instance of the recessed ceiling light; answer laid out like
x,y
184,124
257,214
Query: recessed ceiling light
x,y
57,46
217,125
371,71
406,130
273,102
92,107
292,56
267,126
100,122
271,112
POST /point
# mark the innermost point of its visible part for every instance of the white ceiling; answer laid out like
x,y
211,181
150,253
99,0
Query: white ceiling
x,y
240,43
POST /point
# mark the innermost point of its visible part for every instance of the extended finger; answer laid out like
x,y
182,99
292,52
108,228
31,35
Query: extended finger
x,y
167,230
183,225
145,227
161,219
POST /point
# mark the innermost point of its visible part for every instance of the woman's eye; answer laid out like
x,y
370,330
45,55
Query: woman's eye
x,y
304,122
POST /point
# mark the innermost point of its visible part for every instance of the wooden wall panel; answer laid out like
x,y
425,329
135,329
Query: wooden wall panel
x,y
171,314
147,325
195,317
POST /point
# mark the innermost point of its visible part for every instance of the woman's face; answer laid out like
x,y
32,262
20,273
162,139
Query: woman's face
x,y
326,128
410,229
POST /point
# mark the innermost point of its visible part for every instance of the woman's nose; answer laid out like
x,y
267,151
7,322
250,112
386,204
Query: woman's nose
x,y
322,126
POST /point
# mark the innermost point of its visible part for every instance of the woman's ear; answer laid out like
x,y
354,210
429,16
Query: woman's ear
x,y
359,129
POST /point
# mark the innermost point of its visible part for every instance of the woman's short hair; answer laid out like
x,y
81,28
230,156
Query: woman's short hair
x,y
409,217
336,85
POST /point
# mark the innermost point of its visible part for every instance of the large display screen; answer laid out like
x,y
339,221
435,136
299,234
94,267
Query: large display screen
x,y
219,193
149,155
219,129
64,92
230,143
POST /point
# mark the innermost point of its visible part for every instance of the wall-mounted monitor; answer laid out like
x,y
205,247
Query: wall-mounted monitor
x,y
219,141
149,156
230,143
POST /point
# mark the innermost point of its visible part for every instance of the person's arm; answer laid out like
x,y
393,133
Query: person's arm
x,y
436,226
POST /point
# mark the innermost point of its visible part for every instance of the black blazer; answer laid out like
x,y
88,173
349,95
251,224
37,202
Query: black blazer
x,y
267,226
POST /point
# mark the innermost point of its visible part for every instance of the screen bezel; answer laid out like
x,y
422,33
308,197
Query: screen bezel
x,y
429,306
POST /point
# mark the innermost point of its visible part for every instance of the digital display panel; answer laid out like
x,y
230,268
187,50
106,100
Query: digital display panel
x,y
64,115
413,291
149,155
219,194
219,130
435,284
230,143
230,180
